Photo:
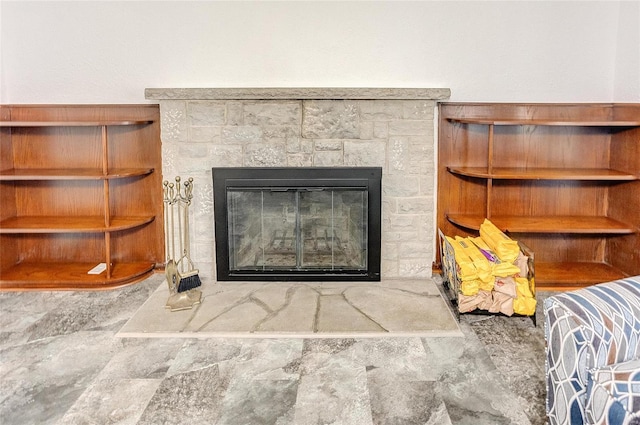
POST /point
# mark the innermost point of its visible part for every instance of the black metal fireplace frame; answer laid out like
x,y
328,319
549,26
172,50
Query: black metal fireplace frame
x,y
225,178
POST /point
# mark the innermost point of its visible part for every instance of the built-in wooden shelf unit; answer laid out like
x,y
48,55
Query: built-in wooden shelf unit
x,y
80,185
562,178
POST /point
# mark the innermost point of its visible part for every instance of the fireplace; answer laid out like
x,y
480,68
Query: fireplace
x,y
297,223
390,128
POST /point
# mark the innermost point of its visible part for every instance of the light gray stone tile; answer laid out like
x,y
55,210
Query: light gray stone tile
x,y
427,185
330,119
259,402
415,267
43,379
225,156
389,268
282,112
402,402
380,130
328,145
119,401
364,153
241,134
332,390
169,159
336,314
380,110
415,249
193,151
275,295
398,154
306,145
296,314
243,317
293,145
366,130
418,205
400,186
300,160
280,131
197,354
205,134
410,128
270,154
403,311
267,359
418,109
142,358
173,121
206,113
234,113
389,251
327,159
391,359
524,370
399,223
393,235
187,398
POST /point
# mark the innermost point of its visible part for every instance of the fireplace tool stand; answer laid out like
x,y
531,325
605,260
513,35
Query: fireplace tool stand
x,y
182,277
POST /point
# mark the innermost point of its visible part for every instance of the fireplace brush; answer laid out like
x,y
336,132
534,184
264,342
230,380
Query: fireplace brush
x,y
189,277
182,277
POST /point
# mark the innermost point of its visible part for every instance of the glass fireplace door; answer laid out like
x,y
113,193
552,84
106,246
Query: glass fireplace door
x,y
314,229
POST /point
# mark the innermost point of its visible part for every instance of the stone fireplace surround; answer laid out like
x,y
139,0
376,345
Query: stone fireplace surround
x,y
393,128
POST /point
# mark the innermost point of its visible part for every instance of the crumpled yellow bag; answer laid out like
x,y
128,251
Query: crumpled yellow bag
x,y
505,269
482,245
466,268
498,268
505,248
525,303
482,265
470,287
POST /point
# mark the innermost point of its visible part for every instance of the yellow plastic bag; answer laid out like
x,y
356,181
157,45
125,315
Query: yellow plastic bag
x,y
470,287
525,303
498,268
505,269
466,268
524,306
482,265
522,287
505,248
482,245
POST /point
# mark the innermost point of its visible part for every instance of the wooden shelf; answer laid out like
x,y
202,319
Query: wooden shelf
x,y
532,224
69,224
573,275
28,174
73,123
79,187
547,122
564,179
71,276
513,173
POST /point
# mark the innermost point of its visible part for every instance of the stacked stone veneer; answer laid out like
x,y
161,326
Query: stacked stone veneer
x,y
390,128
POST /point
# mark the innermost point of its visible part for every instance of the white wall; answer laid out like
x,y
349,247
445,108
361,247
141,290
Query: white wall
x,y
109,52
627,66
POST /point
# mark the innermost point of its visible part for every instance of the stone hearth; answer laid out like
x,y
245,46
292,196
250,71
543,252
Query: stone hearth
x,y
306,127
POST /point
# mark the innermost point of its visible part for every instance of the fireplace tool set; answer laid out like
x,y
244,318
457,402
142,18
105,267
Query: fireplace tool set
x,y
182,276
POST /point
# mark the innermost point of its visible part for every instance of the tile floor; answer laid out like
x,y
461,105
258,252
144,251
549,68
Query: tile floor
x,y
62,363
